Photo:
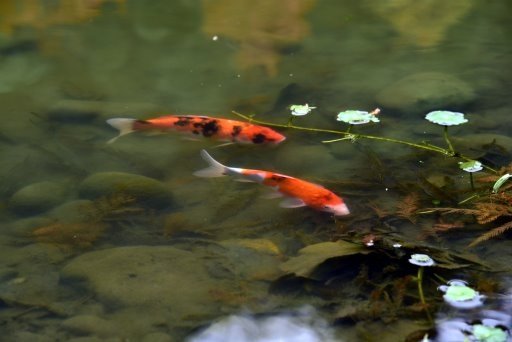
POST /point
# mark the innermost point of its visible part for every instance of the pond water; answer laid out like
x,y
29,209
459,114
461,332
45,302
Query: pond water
x,y
121,242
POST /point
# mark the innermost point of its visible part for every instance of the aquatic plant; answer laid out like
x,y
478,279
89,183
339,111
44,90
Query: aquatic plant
x,y
496,187
301,110
471,166
461,296
360,117
422,260
446,118
67,236
488,206
298,110
94,219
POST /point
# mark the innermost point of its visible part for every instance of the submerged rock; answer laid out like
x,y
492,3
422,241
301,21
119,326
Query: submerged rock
x,y
148,276
37,197
426,91
145,190
89,324
255,259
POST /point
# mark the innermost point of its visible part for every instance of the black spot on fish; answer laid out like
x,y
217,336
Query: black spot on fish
x,y
236,131
259,138
210,128
195,131
183,121
197,124
277,178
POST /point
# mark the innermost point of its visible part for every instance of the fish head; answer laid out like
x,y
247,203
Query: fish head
x,y
338,209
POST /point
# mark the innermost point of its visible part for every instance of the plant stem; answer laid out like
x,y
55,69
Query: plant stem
x,y
420,292
448,142
347,135
471,181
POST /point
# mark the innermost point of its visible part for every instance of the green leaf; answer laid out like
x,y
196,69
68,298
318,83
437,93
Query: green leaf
x,y
311,256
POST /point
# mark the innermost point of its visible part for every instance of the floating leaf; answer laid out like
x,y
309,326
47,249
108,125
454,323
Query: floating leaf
x,y
446,118
300,110
357,117
311,256
471,166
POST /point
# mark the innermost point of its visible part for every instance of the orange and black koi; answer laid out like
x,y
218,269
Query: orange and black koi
x,y
204,126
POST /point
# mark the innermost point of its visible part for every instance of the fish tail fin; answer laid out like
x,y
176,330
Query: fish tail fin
x,y
215,169
124,125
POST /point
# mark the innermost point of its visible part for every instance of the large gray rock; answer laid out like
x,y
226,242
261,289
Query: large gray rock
x,y
144,189
37,197
423,92
148,276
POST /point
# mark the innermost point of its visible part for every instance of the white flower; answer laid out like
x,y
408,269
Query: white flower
x,y
461,296
358,117
421,260
471,166
446,118
300,110
397,245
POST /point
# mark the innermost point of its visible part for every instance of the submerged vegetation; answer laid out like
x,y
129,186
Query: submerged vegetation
x,y
489,203
96,217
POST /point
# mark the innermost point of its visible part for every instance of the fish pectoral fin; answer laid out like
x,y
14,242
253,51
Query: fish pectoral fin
x,y
292,202
191,138
272,194
243,180
222,145
153,133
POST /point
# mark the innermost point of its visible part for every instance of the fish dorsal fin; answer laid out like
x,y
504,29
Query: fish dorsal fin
x,y
195,116
292,202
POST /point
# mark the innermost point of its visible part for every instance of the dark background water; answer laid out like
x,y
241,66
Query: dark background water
x,y
67,66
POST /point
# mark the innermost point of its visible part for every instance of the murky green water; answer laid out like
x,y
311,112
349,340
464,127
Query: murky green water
x,y
121,242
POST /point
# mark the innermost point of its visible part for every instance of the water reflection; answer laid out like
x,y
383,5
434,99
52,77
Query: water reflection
x,y
262,29
424,23
42,14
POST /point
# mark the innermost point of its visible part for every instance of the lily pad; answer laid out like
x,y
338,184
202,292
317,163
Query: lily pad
x,y
357,117
311,256
446,118
471,166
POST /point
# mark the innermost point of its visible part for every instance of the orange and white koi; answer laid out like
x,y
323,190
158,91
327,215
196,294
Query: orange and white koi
x,y
297,192
205,126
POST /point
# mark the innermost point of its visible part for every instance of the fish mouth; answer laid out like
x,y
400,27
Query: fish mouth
x,y
280,140
340,209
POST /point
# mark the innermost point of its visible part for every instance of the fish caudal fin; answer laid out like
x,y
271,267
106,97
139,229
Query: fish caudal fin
x,y
124,125
215,169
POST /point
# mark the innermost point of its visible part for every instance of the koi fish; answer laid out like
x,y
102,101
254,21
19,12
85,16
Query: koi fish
x,y
297,192
215,128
